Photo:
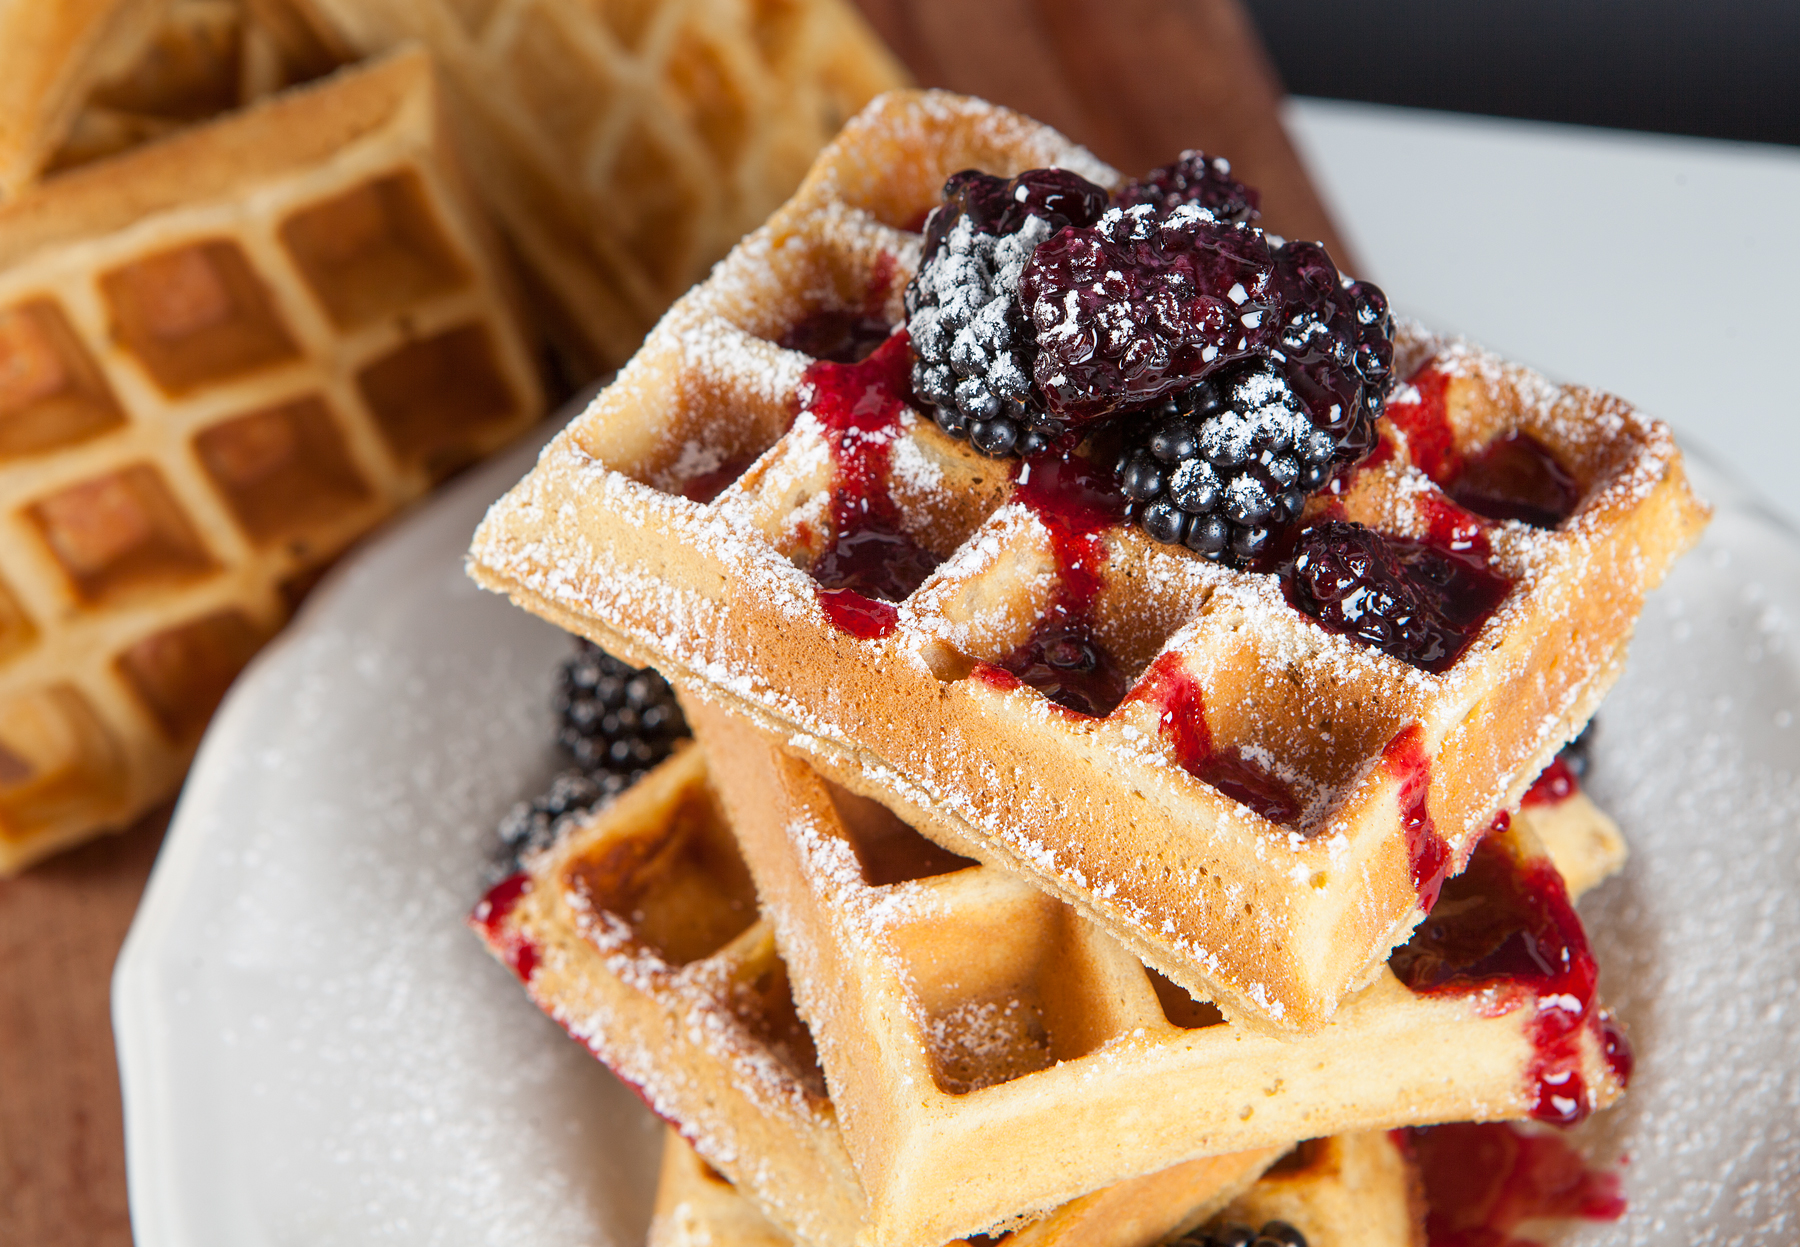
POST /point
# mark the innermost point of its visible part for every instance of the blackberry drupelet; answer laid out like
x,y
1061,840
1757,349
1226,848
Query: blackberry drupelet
x,y
1411,599
612,716
1194,178
615,722
973,351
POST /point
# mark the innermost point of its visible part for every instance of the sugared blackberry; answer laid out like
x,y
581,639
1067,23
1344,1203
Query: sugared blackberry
x,y
1412,599
614,717
973,350
1194,178
1237,1234
1226,463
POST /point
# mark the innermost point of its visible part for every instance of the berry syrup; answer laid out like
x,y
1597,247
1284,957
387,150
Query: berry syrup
x,y
871,563
846,335
1514,477
1181,718
1505,927
1483,1180
1427,851
1076,503
1556,783
489,919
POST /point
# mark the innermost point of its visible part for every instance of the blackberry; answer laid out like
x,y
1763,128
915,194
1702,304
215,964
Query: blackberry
x,y
614,717
1417,601
534,825
1225,464
1237,1234
1198,179
615,722
973,351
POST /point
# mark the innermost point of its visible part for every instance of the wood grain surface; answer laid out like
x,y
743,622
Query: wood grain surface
x,y
1137,81
62,1144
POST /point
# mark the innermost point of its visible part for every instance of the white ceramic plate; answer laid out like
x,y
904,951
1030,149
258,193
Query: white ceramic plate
x,y
315,1051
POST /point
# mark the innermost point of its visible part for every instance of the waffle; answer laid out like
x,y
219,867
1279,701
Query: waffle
x,y
1395,768
988,1050
638,933
1356,1190
80,81
223,357
624,147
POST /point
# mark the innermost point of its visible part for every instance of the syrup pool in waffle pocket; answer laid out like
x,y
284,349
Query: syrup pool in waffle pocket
x,y
1258,800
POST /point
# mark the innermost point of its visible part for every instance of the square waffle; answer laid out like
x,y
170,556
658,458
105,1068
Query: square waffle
x,y
625,146
85,79
1353,1190
223,357
955,1006
676,520
638,933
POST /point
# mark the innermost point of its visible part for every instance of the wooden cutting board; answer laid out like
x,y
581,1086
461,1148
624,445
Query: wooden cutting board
x,y
1137,81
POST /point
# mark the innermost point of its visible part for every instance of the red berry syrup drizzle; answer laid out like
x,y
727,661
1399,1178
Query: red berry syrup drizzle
x,y
1181,718
1064,660
490,917
1482,1180
871,563
847,335
1556,783
1506,927
1427,852
1514,477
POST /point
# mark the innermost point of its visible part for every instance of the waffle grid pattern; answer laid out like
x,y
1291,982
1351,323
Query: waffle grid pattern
x,y
200,409
955,1006
626,146
638,933
1274,923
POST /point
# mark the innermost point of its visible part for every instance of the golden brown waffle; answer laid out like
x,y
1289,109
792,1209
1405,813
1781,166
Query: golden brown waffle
x,y
1275,923
1356,1190
988,1050
222,358
83,80
638,933
1350,1190
625,146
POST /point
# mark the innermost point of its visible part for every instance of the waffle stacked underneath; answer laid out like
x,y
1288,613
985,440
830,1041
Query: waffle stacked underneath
x,y
1030,1066
223,357
1355,1190
680,519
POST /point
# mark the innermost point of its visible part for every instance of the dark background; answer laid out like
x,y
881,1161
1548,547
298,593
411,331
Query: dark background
x,y
1719,68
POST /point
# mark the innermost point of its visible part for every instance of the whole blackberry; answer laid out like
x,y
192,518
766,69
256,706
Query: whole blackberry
x,y
1225,463
615,722
534,825
1237,1234
614,717
1411,599
1194,178
973,351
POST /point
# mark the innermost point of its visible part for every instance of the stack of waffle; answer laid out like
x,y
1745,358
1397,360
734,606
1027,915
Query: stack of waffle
x,y
1015,960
